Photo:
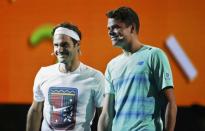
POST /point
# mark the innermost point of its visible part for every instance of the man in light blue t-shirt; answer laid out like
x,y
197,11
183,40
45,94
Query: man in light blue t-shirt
x,y
138,81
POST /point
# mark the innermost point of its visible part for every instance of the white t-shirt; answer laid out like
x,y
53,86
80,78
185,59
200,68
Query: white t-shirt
x,y
70,98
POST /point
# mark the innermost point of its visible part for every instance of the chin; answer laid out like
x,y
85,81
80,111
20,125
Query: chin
x,y
114,43
61,61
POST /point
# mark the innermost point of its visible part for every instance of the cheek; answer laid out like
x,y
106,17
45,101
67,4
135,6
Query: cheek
x,y
54,51
127,35
75,51
70,52
122,33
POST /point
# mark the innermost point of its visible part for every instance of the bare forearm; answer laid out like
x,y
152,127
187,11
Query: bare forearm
x,y
105,120
33,120
104,123
170,117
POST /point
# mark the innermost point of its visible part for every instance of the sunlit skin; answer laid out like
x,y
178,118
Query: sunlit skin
x,y
66,52
123,36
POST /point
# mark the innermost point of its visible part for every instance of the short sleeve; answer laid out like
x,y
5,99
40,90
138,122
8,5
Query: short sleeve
x,y
161,69
108,84
37,92
99,90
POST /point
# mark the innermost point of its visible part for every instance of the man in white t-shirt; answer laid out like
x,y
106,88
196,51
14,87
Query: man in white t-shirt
x,y
68,92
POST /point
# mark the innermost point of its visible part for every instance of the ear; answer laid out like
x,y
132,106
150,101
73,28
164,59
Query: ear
x,y
132,28
79,51
78,46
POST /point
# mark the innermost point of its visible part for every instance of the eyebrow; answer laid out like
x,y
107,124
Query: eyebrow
x,y
62,43
114,25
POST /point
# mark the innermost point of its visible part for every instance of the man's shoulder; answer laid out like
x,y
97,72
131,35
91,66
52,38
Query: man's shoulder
x,y
47,69
116,59
152,50
155,54
92,72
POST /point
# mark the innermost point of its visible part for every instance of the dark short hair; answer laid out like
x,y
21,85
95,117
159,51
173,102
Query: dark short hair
x,y
125,15
70,27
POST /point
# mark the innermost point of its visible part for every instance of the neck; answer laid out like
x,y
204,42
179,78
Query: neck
x,y
134,46
69,67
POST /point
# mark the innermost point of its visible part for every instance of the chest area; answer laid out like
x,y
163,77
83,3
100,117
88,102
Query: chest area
x,y
130,66
67,86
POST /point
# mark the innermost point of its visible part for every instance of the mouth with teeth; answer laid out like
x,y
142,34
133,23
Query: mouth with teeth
x,y
62,53
115,37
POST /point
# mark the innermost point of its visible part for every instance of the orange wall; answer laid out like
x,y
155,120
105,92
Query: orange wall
x,y
159,19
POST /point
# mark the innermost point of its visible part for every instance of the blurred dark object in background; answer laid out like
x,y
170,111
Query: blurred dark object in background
x,y
191,118
13,118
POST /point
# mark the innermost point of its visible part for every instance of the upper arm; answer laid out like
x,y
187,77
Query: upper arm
x,y
37,106
37,91
108,105
98,111
99,90
161,69
167,100
34,116
106,117
168,93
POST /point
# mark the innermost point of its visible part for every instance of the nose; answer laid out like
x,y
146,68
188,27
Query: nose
x,y
111,32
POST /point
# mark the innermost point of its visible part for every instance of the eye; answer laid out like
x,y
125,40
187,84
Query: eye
x,y
56,45
116,27
66,45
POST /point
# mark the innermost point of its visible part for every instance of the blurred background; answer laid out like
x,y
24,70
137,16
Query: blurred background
x,y
26,46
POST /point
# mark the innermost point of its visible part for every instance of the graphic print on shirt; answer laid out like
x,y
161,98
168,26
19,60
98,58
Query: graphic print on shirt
x,y
63,101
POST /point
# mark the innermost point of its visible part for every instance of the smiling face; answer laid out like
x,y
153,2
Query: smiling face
x,y
64,48
119,33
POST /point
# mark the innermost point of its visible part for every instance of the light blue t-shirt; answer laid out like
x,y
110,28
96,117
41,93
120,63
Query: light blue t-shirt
x,y
136,81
